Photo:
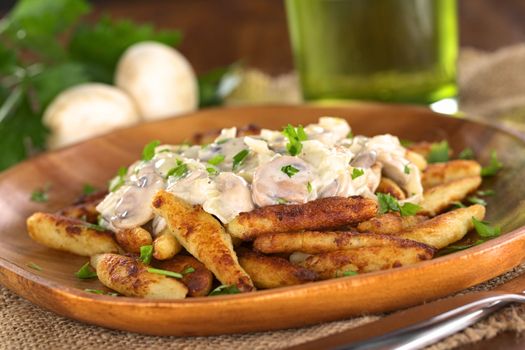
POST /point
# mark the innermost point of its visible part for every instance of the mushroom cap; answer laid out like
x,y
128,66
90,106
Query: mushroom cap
x,y
87,110
159,79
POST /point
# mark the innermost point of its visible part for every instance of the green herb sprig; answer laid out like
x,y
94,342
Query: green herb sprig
x,y
224,290
289,170
494,165
86,272
439,152
295,137
388,203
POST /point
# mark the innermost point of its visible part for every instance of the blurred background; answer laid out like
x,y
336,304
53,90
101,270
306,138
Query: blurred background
x,y
219,32
234,52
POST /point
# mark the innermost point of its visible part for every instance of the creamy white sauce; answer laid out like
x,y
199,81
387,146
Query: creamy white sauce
x,y
237,174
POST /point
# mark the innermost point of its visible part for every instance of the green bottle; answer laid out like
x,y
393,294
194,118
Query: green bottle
x,y
383,50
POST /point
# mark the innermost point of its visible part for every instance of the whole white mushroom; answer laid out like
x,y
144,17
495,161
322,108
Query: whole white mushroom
x,y
87,110
159,79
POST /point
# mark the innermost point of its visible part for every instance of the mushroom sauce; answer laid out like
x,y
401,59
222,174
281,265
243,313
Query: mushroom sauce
x,y
238,174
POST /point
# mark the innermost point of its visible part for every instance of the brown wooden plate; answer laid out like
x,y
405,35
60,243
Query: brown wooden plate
x,y
95,161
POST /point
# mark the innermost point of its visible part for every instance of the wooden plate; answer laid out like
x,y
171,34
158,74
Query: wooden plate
x,y
95,161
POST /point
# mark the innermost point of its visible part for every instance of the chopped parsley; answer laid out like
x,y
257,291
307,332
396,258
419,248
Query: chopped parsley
x,y
118,180
220,142
146,251
164,272
350,135
356,173
467,153
346,273
289,170
188,270
101,292
294,136
216,160
179,171
388,203
212,171
406,143
476,200
485,193
458,205
96,227
34,266
239,158
309,187
484,229
224,290
88,189
438,152
459,247
409,209
406,170
280,200
41,195
494,165
149,150
86,272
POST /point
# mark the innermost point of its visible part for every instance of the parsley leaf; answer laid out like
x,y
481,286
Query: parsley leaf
x,y
467,153
295,136
224,290
280,200
117,36
406,170
406,143
309,187
485,192
212,171
41,195
388,203
239,158
149,150
86,272
88,189
289,170
179,171
164,272
476,200
215,85
458,205
146,251
484,229
438,152
34,266
96,227
356,173
188,270
494,166
350,135
456,248
409,209
119,180
216,160
101,292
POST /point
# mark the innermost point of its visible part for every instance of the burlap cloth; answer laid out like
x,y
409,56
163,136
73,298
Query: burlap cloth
x,y
491,85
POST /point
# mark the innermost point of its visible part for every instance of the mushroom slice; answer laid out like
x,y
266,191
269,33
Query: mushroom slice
x,y
283,180
233,197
